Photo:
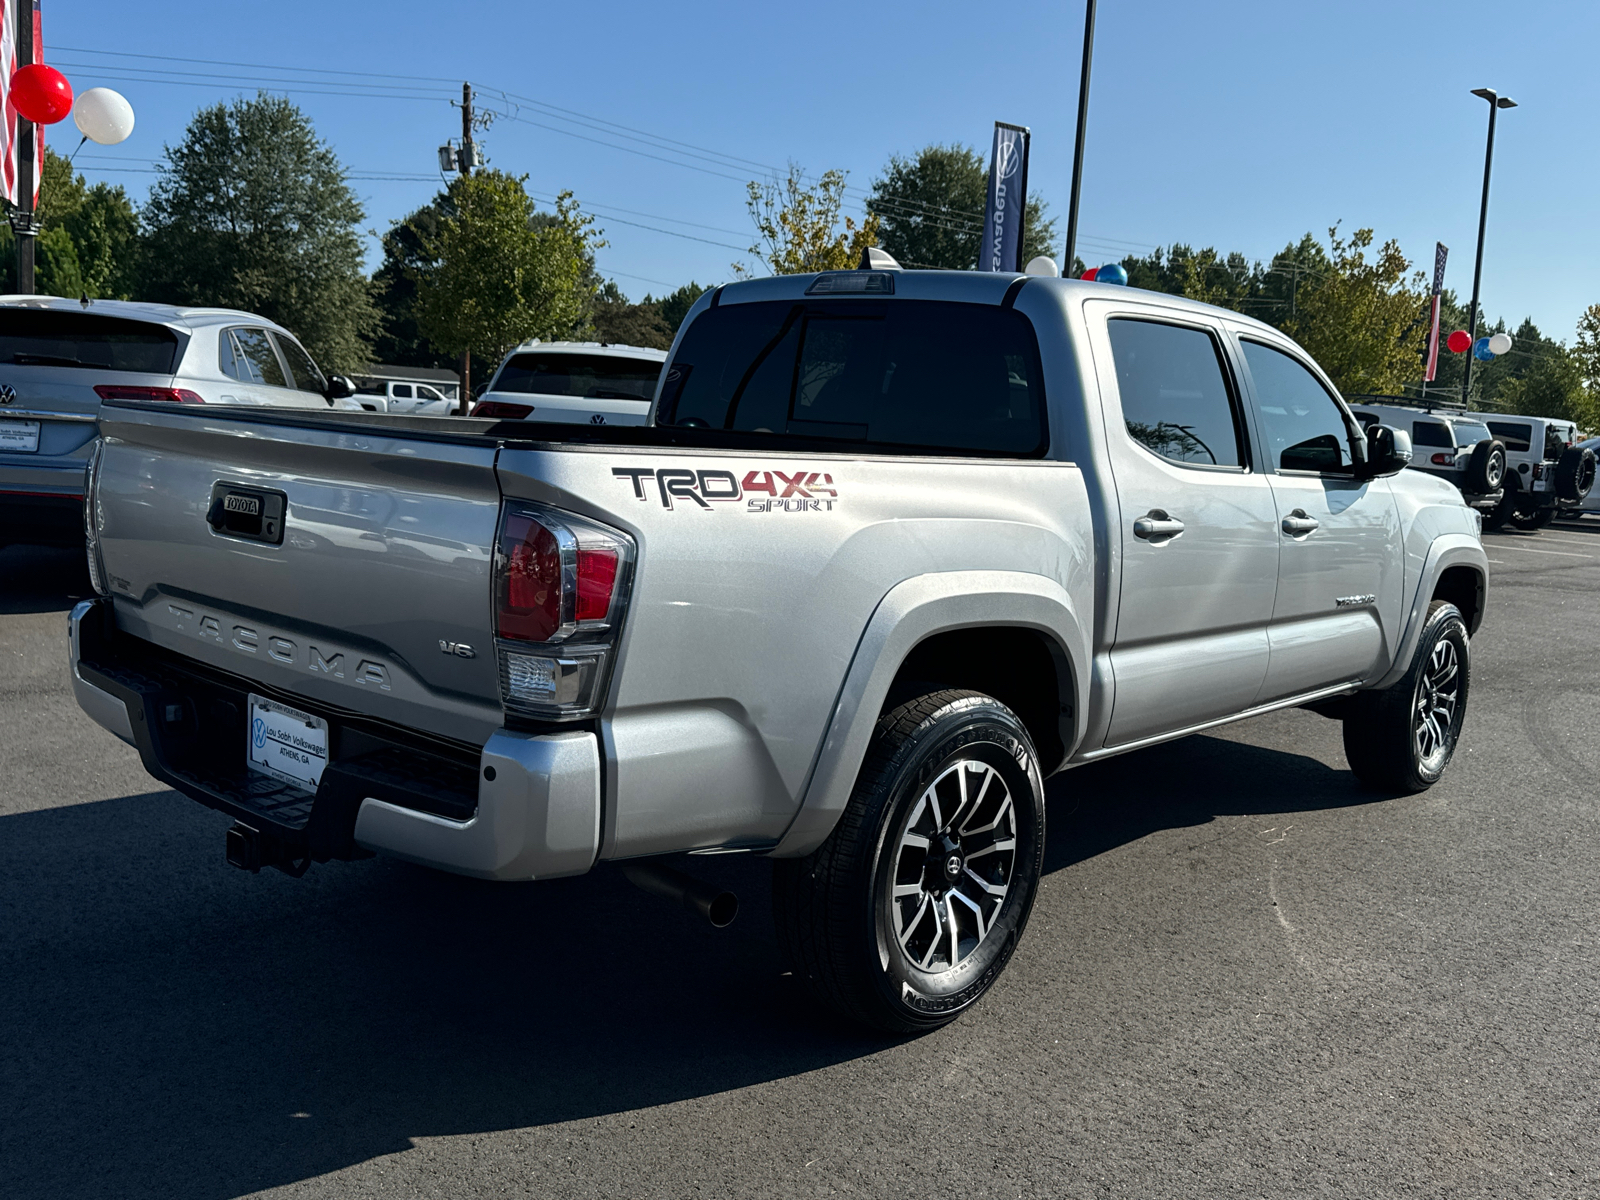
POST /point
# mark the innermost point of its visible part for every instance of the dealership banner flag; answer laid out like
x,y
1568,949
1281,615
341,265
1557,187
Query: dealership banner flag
x,y
1440,253
1008,198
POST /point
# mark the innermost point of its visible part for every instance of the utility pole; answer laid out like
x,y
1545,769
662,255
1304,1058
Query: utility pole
x,y
1077,149
466,169
1496,103
24,224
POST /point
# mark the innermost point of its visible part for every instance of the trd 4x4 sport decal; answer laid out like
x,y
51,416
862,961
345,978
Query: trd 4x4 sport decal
x,y
762,491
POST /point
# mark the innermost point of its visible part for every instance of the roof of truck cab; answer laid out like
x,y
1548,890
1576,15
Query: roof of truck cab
x,y
969,287
177,316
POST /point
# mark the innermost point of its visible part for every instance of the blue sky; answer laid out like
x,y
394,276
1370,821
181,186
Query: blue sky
x,y
1236,124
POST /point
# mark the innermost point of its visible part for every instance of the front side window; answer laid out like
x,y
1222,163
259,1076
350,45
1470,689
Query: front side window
x,y
1175,396
581,376
913,373
424,392
1431,433
306,376
248,356
1304,426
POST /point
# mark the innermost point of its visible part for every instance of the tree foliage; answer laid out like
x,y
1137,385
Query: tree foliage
x,y
407,254
496,275
252,211
930,208
89,242
618,322
798,225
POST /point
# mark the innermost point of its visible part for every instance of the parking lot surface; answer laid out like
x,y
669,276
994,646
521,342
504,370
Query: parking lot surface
x,y
1243,977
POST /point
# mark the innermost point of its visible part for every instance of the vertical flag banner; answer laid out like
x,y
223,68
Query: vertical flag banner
x,y
1008,199
1440,253
8,122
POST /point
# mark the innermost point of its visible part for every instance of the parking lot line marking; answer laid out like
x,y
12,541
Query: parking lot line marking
x,y
1589,543
1562,553
1497,562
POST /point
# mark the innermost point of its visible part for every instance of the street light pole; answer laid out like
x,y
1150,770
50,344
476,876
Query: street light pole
x,y
1496,103
1077,148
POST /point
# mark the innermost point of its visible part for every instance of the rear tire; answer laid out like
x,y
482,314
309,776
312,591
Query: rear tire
x,y
1575,473
911,909
1402,738
1486,469
1537,519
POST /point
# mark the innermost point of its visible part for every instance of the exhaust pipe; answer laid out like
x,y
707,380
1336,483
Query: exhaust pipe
x,y
654,876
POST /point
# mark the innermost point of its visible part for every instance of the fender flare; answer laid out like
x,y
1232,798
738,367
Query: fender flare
x,y
1447,550
912,611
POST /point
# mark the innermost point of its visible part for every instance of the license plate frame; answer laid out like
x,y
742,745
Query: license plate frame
x,y
19,437
286,744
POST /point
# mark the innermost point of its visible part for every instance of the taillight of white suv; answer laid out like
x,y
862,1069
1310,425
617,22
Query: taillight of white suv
x,y
561,585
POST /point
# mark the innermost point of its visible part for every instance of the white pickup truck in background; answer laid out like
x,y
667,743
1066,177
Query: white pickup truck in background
x,y
894,548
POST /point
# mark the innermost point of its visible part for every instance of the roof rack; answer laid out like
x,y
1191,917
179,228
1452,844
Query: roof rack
x,y
1421,404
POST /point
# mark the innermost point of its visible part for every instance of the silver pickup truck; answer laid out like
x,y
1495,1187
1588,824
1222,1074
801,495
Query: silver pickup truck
x,y
895,548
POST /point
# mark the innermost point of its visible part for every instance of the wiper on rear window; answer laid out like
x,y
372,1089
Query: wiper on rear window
x,y
49,360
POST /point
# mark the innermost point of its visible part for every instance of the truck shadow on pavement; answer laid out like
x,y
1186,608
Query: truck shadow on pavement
x,y
42,579
178,1028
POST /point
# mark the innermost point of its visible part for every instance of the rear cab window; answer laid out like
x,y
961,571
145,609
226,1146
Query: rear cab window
x,y
1176,402
581,376
33,337
916,375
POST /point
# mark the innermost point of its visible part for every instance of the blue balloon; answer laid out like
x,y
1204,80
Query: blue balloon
x,y
1481,351
1111,273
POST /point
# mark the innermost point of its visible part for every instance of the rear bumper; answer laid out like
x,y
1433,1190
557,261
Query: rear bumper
x,y
526,806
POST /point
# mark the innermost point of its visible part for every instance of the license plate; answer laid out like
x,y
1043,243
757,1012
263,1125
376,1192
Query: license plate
x,y
19,437
287,744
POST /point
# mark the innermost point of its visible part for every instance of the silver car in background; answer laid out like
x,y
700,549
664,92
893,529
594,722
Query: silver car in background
x,y
574,383
59,359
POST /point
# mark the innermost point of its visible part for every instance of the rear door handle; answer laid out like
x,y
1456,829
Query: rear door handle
x,y
1157,526
1299,523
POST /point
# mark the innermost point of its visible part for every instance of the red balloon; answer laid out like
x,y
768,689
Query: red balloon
x,y
1090,274
1459,342
41,94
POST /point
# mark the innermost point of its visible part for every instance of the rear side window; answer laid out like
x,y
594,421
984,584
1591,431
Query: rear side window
x,y
248,356
583,376
1431,433
31,337
1175,396
306,376
1517,436
402,391
911,373
1304,426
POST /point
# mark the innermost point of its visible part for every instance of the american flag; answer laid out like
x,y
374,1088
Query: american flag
x,y
8,128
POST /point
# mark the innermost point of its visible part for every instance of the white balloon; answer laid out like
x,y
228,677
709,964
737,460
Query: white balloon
x,y
1499,343
103,116
1043,265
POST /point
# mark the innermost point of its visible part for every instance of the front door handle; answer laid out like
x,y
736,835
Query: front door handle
x,y
1157,526
1299,523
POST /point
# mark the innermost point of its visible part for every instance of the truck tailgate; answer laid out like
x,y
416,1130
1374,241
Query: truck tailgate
x,y
377,600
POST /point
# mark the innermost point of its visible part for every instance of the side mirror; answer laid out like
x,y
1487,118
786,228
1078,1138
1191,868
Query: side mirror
x,y
1388,451
339,388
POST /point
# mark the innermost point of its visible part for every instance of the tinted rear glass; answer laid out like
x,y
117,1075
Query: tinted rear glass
x,y
589,377
913,373
1517,436
68,339
1430,433
1175,397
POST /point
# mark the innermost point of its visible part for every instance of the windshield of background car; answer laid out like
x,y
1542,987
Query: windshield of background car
x,y
1517,436
586,376
912,373
30,337
1470,433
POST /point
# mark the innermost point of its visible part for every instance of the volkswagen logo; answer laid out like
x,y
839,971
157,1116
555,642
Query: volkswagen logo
x,y
597,419
7,393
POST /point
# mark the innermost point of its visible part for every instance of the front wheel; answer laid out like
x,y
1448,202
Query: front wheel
x,y
910,910
1402,738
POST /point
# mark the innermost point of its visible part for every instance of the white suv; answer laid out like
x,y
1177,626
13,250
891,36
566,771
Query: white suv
x,y
60,358
1546,473
574,383
1456,446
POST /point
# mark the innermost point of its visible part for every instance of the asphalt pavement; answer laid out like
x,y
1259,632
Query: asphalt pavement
x,y
1243,977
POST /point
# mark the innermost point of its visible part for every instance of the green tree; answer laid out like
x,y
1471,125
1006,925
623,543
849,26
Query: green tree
x,y
797,225
931,209
675,305
407,254
252,211
618,322
1360,321
1550,386
89,242
496,275
1586,353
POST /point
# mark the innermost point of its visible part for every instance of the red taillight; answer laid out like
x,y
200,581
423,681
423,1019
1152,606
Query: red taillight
x,y
550,580
1443,460
501,410
530,592
119,391
597,577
